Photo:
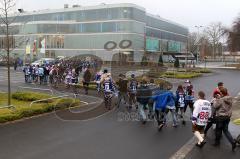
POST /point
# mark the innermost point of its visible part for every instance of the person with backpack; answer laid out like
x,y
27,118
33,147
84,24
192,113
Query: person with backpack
x,y
133,84
201,114
223,108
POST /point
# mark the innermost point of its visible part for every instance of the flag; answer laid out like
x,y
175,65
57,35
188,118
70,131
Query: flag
x,y
34,47
43,46
28,49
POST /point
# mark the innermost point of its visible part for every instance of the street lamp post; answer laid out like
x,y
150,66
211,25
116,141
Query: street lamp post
x,y
198,40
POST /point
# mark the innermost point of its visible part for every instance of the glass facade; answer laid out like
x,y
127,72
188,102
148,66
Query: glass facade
x,y
86,30
87,15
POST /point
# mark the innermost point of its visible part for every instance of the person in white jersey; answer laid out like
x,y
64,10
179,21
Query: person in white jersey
x,y
201,114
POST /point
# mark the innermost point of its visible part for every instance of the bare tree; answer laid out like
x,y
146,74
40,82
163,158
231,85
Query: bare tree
x,y
7,7
214,32
197,42
234,36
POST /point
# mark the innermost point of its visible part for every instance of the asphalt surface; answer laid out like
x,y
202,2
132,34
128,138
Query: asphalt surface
x,y
109,136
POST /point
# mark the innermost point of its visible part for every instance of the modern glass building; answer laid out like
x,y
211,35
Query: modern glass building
x,y
102,30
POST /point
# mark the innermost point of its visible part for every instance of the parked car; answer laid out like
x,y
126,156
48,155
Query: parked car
x,y
3,61
43,61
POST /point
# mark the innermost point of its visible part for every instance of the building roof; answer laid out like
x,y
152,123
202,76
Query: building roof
x,y
100,6
165,20
71,9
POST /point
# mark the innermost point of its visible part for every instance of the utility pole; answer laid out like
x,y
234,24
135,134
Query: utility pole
x,y
198,40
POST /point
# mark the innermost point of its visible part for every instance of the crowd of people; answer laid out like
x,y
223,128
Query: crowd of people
x,y
64,71
203,113
146,97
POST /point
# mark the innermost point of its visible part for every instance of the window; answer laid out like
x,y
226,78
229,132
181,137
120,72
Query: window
x,y
109,27
92,27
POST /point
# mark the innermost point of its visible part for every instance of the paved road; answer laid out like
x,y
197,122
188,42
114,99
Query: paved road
x,y
105,137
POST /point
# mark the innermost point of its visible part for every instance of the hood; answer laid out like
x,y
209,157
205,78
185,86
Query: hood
x,y
227,100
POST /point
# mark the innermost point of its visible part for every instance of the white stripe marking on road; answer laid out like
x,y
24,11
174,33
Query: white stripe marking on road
x,y
184,150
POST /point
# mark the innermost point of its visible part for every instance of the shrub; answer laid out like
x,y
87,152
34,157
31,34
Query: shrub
x,y
30,96
237,121
22,100
181,75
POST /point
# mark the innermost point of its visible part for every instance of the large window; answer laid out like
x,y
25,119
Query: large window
x,y
88,15
92,27
109,27
53,41
165,35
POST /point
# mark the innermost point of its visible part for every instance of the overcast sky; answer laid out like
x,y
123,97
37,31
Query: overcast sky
x,y
186,12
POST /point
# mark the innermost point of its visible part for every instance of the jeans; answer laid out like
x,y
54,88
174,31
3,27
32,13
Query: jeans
x,y
142,109
173,113
85,86
122,95
159,116
222,126
132,99
210,122
108,99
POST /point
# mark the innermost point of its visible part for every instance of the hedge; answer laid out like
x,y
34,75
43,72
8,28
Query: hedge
x,y
23,109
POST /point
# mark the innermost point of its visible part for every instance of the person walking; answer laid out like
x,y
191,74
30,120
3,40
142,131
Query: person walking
x,y
180,102
223,108
86,80
201,114
108,89
122,84
133,92
189,99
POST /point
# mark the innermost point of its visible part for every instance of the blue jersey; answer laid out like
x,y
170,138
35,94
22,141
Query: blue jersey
x,y
133,86
108,86
98,77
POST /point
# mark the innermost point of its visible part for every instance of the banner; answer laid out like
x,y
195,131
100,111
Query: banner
x,y
43,46
28,49
34,47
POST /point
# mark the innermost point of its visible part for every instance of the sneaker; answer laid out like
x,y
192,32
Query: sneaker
x,y
144,122
184,122
234,145
136,107
198,145
160,127
175,125
216,144
203,143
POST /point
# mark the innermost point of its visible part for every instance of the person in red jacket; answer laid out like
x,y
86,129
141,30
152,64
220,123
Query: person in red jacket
x,y
217,89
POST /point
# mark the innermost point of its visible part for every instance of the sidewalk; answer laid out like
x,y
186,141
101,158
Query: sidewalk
x,y
215,65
